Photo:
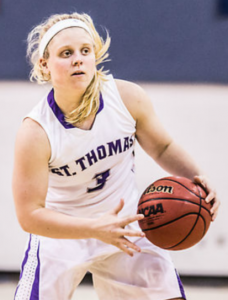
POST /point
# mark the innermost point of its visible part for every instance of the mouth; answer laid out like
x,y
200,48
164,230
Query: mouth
x,y
78,73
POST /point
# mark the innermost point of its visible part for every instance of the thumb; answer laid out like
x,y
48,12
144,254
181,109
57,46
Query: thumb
x,y
118,208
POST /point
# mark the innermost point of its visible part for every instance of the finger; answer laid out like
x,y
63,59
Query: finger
x,y
215,207
211,196
198,179
118,208
128,246
201,180
214,216
131,245
126,250
126,232
127,220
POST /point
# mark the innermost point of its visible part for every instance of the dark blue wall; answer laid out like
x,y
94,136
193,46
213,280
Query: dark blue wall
x,y
152,40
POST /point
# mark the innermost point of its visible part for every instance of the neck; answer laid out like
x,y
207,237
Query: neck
x,y
68,100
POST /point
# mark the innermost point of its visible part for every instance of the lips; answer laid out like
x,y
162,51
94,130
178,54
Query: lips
x,y
77,73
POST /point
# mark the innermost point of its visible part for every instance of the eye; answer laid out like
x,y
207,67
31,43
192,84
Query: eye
x,y
85,51
66,53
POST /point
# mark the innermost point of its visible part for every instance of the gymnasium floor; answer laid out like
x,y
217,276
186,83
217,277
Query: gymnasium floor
x,y
196,289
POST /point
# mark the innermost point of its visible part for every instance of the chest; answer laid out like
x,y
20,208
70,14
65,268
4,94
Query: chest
x,y
77,151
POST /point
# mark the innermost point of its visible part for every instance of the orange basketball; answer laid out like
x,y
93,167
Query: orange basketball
x,y
176,214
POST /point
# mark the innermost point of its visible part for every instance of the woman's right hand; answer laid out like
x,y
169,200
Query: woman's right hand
x,y
110,228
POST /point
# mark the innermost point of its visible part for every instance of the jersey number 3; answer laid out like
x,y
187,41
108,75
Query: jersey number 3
x,y
101,179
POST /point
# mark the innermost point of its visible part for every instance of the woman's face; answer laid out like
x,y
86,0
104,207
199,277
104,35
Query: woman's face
x,y
71,60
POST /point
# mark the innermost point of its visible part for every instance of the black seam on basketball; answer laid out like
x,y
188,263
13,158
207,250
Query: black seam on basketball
x,y
204,231
196,221
194,225
177,199
169,179
170,222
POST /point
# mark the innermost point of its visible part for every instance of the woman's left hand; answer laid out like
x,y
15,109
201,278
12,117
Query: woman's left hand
x,y
212,195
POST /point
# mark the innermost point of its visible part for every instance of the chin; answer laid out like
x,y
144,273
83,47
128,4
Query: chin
x,y
80,86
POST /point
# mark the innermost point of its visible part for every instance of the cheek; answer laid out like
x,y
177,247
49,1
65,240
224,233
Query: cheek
x,y
92,64
61,67
56,66
58,73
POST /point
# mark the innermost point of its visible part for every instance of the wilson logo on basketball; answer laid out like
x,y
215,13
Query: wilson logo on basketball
x,y
160,188
151,210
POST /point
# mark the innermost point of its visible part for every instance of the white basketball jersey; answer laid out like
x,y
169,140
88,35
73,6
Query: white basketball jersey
x,y
90,170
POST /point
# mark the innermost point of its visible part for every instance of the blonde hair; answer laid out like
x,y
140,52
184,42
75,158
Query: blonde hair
x,y
90,101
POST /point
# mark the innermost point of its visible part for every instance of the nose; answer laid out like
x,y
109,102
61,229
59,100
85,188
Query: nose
x,y
77,60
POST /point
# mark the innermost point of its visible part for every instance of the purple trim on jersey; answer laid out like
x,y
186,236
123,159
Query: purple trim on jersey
x,y
59,114
36,283
180,286
57,111
16,291
101,104
24,261
26,256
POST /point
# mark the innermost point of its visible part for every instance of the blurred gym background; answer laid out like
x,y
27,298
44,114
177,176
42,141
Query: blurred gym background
x,y
178,51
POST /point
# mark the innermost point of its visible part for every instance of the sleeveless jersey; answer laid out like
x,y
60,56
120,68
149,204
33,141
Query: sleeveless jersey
x,y
90,170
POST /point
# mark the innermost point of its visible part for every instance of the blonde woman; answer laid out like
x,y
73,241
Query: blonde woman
x,y
73,181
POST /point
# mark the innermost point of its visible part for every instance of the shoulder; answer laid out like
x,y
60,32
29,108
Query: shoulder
x,y
32,129
130,90
32,139
134,97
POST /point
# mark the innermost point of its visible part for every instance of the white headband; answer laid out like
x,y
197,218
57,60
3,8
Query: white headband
x,y
57,27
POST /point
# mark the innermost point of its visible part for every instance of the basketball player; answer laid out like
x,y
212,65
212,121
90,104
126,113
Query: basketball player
x,y
74,183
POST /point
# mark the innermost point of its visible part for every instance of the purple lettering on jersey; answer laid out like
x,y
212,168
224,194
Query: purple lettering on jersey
x,y
115,147
101,152
56,171
91,156
59,114
80,161
126,143
101,179
131,140
94,156
65,169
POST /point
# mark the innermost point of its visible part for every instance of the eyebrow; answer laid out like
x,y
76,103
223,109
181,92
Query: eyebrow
x,y
82,45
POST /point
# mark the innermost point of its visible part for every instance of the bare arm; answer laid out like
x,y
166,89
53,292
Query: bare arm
x,y
30,183
158,144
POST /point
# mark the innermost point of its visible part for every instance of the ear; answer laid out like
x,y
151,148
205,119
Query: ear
x,y
44,66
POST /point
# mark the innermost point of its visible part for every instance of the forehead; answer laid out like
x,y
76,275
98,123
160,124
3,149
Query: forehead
x,y
71,35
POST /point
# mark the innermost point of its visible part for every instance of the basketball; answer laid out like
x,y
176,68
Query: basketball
x,y
176,214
